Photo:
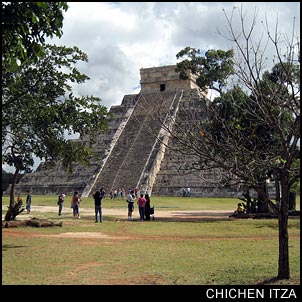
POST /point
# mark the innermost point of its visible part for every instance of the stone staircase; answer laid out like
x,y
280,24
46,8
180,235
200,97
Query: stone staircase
x,y
55,180
131,152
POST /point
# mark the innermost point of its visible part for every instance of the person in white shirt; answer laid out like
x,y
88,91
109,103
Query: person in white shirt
x,y
130,200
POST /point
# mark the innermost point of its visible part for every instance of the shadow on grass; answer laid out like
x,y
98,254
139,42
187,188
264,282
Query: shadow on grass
x,y
269,281
6,247
172,219
183,217
191,219
176,218
270,226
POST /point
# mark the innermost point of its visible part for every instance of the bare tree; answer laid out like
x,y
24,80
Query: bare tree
x,y
276,96
252,130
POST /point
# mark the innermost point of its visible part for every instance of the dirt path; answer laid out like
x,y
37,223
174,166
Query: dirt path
x,y
119,214
122,213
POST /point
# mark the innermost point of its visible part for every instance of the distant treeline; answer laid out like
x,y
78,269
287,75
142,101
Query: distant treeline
x,y
7,179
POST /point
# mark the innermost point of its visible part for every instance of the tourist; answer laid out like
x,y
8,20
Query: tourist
x,y
130,200
19,199
135,192
75,204
141,207
123,193
114,193
60,203
147,207
79,202
119,194
147,192
142,191
240,209
98,196
97,205
28,202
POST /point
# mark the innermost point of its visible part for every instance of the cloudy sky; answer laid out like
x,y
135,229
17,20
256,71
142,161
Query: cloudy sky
x,y
122,37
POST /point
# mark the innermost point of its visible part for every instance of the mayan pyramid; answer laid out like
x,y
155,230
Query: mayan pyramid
x,y
129,154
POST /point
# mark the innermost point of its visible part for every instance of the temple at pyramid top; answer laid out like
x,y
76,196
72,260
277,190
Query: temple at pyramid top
x,y
165,78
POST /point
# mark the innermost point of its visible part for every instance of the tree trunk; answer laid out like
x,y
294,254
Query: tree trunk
x,y
277,186
262,198
13,188
34,222
283,268
14,209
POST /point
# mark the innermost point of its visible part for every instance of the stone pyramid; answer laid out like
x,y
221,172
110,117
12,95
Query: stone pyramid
x,y
129,154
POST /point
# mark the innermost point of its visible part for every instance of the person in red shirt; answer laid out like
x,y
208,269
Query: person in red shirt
x,y
141,207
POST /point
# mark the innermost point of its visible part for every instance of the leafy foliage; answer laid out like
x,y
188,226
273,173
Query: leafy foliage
x,y
7,178
37,112
255,134
212,70
38,106
24,27
248,135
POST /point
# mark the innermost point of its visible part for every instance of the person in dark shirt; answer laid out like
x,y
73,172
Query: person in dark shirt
x,y
28,202
147,207
75,201
98,196
60,203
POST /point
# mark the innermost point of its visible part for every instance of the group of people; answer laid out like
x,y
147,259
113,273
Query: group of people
x,y
74,205
28,201
143,203
76,200
117,194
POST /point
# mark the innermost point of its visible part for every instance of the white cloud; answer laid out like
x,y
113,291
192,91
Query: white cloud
x,y
120,38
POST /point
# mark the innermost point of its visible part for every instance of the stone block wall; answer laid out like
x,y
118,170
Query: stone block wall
x,y
129,154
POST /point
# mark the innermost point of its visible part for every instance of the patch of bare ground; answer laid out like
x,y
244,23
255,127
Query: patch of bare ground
x,y
83,267
121,215
86,236
146,279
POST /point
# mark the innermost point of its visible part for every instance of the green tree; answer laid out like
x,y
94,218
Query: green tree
x,y
24,28
6,179
37,112
213,69
253,128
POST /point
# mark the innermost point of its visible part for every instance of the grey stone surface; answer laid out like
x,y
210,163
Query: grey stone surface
x,y
128,153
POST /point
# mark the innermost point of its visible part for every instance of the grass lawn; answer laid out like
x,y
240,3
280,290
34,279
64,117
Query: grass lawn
x,y
160,203
162,252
